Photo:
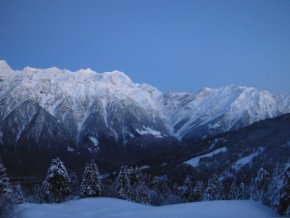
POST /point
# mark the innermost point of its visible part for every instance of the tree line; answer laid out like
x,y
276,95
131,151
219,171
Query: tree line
x,y
133,184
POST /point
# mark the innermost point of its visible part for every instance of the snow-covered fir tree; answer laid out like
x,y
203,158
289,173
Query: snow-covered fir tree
x,y
18,194
95,168
175,189
198,191
260,185
272,196
87,187
284,202
234,191
164,186
122,185
242,192
133,176
91,183
214,189
148,181
187,191
6,193
56,186
141,194
139,187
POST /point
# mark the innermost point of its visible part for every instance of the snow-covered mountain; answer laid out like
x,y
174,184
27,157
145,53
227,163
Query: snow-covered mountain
x,y
87,106
195,115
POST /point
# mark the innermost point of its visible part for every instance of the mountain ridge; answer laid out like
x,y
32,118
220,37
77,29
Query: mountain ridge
x,y
187,116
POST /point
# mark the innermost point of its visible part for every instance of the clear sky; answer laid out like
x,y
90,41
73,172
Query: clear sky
x,y
180,45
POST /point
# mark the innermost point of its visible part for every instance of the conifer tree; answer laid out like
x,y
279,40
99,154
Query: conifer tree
x,y
234,191
214,189
242,192
272,195
175,189
261,184
91,184
132,175
139,188
198,191
56,186
188,189
122,184
141,194
284,202
6,193
86,190
164,186
97,177
18,194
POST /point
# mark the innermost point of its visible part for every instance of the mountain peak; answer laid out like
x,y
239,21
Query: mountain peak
x,y
4,65
116,77
5,71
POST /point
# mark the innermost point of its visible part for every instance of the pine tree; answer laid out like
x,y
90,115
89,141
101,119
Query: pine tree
x,y
214,189
122,185
18,194
284,202
141,194
261,184
96,176
164,189
148,181
175,189
133,175
87,189
242,192
139,190
198,191
91,183
56,186
188,189
272,195
6,193
234,191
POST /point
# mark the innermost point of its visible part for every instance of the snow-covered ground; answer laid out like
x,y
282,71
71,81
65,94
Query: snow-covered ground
x,y
114,208
195,161
246,160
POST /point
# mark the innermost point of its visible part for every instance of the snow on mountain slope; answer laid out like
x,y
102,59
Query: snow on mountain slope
x,y
195,161
118,106
246,160
212,111
115,208
91,105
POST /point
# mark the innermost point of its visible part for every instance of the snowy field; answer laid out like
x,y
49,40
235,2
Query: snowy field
x,y
114,208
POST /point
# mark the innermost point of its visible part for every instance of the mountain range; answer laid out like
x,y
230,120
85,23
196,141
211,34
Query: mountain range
x,y
110,116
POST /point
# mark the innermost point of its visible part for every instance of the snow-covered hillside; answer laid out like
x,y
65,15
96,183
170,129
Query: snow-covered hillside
x,y
114,208
195,161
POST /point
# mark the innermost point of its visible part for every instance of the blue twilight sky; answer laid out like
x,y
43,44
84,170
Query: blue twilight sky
x,y
180,45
